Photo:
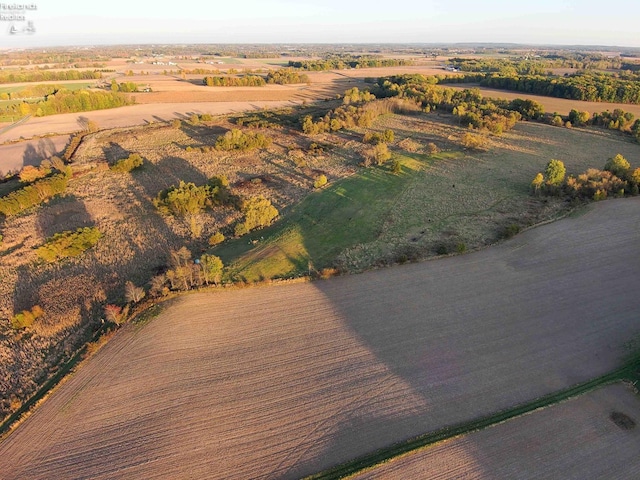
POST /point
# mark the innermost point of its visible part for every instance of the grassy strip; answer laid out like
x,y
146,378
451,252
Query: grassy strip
x,y
344,214
629,371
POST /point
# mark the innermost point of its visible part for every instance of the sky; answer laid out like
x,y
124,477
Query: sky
x,y
540,22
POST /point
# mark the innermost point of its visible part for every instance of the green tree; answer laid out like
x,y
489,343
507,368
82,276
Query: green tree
x,y
186,200
618,165
258,212
212,268
537,183
555,172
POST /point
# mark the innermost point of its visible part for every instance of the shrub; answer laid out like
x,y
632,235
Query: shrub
x,y
511,230
125,165
473,141
618,165
69,244
216,239
26,318
237,140
432,148
30,174
175,123
600,195
321,181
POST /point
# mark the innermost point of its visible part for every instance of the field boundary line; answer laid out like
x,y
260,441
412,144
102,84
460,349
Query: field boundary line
x,y
625,373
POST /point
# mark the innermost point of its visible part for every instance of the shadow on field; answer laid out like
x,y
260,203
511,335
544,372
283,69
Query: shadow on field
x,y
115,152
202,134
33,155
66,213
154,177
476,334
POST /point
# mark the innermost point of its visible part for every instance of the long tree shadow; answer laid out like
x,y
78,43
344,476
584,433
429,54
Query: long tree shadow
x,y
476,334
115,152
202,134
66,213
170,170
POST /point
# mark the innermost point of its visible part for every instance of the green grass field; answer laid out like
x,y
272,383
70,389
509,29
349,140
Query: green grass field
x,y
342,215
447,203
69,86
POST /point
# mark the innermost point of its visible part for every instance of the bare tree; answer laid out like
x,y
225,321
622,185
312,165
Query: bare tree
x,y
132,293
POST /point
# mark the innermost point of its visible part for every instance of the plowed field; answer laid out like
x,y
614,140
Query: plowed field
x,y
576,439
279,382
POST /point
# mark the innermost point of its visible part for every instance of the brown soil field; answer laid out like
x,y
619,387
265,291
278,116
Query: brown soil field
x,y
280,382
14,156
574,439
130,115
551,104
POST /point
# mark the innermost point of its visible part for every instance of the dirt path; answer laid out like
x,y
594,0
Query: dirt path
x,y
279,382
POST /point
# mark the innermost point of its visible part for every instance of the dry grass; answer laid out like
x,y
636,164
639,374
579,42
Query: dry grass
x,y
136,239
279,382
575,439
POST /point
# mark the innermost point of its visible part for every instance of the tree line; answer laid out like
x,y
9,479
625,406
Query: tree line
x,y
34,194
286,76
615,179
586,86
65,101
244,81
48,75
347,61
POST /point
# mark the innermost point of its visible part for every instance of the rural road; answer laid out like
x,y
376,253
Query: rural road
x,y
284,381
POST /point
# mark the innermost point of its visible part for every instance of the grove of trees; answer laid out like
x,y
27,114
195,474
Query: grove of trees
x,y
615,179
69,244
245,81
65,101
285,76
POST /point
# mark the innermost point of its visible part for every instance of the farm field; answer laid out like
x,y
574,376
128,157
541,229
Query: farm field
x,y
574,439
130,115
396,216
31,152
551,104
284,381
